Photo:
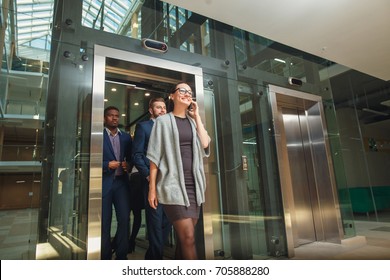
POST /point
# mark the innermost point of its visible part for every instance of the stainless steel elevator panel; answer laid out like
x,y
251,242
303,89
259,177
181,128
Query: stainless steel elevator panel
x,y
298,149
309,193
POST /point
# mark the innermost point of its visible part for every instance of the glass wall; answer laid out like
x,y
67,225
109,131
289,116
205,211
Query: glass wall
x,y
248,221
363,118
250,205
23,91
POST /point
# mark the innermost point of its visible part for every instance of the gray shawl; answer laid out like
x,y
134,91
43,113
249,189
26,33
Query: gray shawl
x,y
164,151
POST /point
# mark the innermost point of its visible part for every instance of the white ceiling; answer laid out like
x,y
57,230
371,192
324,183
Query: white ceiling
x,y
353,33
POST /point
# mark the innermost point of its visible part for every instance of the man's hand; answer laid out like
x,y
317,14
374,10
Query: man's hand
x,y
124,166
114,164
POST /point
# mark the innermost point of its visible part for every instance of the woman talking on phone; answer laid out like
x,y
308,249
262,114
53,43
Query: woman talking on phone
x,y
178,143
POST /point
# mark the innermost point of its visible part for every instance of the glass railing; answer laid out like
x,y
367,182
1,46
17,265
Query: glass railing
x,y
24,107
29,65
20,152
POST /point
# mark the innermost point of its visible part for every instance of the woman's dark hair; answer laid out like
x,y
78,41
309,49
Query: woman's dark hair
x,y
170,105
175,86
172,90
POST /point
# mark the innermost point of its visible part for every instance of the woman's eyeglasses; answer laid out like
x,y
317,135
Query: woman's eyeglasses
x,y
183,91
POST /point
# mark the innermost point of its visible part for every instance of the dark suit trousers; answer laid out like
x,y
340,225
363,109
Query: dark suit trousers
x,y
158,228
119,196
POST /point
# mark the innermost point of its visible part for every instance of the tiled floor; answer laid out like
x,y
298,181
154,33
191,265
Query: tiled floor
x,y
18,238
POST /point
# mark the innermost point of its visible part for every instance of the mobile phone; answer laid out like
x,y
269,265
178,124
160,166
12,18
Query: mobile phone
x,y
190,107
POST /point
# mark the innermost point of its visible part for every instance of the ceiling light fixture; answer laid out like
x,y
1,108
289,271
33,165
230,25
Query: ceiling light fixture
x,y
120,83
386,103
374,112
280,60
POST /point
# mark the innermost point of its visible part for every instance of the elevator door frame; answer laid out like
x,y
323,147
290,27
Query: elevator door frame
x,y
327,222
97,126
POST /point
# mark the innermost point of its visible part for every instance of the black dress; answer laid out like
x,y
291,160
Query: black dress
x,y
177,212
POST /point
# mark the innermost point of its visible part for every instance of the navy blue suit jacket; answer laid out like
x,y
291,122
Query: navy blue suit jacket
x,y
140,147
109,155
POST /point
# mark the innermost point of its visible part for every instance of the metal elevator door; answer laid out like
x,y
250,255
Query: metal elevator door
x,y
309,191
302,179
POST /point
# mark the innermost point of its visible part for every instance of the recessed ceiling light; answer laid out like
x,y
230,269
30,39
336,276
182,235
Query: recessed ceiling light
x,y
147,94
136,104
113,89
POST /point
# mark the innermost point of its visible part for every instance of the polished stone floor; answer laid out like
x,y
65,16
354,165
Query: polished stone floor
x,y
371,243
18,234
18,239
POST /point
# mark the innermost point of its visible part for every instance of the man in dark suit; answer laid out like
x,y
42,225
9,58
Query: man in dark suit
x,y
116,163
158,226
